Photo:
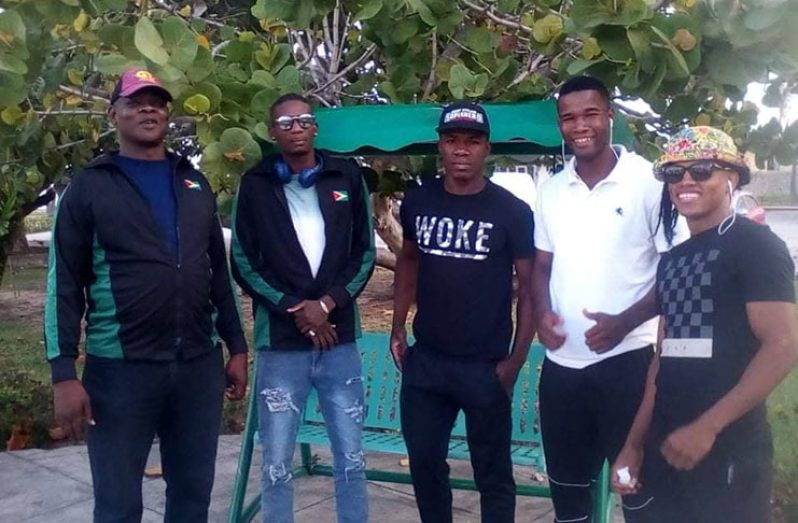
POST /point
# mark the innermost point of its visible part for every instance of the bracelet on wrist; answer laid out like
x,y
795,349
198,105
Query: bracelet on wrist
x,y
324,307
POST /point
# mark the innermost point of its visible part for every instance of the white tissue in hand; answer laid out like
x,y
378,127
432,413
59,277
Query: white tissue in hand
x,y
624,478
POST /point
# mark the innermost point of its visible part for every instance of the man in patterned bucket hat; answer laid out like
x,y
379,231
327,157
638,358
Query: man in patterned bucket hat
x,y
700,442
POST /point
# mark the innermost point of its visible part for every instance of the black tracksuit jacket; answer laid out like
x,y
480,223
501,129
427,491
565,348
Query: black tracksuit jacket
x,y
109,261
268,261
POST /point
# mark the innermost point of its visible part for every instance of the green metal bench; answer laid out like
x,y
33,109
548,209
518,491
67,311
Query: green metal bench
x,y
381,432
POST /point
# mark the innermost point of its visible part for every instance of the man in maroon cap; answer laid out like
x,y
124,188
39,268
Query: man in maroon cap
x,y
137,252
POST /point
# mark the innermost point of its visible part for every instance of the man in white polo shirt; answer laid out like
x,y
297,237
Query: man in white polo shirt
x,y
598,238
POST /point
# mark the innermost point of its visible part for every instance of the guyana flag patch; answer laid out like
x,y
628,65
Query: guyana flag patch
x,y
340,196
191,184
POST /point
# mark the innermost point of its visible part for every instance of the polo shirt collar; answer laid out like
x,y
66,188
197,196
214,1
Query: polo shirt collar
x,y
616,175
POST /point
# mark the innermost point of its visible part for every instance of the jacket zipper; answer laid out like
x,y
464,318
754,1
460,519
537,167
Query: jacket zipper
x,y
178,302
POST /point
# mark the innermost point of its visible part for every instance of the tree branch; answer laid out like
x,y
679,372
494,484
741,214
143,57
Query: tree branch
x,y
430,85
488,11
83,140
363,57
88,95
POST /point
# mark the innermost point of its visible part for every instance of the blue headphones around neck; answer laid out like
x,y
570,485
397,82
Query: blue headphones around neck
x,y
307,176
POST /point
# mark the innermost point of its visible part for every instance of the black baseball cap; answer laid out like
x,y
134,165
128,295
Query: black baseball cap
x,y
464,116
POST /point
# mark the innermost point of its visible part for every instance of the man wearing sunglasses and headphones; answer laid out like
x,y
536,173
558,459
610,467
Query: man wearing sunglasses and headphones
x,y
598,246
729,337
303,249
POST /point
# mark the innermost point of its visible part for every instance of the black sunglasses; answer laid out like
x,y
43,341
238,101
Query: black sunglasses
x,y
286,123
699,171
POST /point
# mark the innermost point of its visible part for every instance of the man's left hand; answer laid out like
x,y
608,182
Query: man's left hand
x,y
685,447
507,372
607,333
308,315
236,373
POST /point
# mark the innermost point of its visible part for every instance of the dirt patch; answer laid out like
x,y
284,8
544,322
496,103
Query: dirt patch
x,y
22,306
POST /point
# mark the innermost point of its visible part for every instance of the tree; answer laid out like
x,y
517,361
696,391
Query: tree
x,y
227,60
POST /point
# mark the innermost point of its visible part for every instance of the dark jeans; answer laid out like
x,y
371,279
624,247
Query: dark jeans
x,y
434,389
181,402
730,485
585,416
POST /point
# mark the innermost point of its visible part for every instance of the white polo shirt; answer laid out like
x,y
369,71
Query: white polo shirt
x,y
605,244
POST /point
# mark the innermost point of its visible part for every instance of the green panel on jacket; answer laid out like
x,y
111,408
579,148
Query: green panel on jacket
x,y
102,333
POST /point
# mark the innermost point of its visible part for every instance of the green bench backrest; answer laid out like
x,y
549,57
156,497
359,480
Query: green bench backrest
x,y
382,382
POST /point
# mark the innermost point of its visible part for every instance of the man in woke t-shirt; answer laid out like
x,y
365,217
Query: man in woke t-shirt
x,y
462,238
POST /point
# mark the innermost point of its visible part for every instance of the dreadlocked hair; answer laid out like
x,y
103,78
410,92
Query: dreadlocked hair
x,y
667,215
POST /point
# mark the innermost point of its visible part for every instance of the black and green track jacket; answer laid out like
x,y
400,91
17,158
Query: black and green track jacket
x,y
109,261
269,264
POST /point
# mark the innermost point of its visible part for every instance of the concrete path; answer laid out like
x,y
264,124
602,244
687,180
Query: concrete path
x,y
43,486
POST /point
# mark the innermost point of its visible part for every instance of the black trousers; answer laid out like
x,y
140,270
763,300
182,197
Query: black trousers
x,y
731,484
585,416
181,402
435,388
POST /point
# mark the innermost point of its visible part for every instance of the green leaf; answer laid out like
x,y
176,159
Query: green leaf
x,y
234,153
724,67
578,66
202,66
13,35
149,42
508,6
615,44
369,9
677,55
179,42
460,79
481,40
761,18
547,28
263,79
197,104
115,64
682,108
262,102
289,80
12,64
280,55
424,12
641,45
209,90
262,131
403,31
12,89
11,114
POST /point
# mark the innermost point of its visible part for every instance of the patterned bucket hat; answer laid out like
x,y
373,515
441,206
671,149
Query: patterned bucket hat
x,y
704,143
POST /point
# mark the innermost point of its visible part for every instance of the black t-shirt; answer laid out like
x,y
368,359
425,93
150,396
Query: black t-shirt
x,y
467,245
703,286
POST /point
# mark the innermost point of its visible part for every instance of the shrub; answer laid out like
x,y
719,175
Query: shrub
x,y
25,402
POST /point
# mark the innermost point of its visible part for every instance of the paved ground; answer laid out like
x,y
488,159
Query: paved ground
x,y
43,486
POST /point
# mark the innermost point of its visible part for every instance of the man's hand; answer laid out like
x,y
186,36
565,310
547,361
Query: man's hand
x,y
323,337
628,462
308,315
507,372
607,333
550,331
72,408
236,372
398,346
685,447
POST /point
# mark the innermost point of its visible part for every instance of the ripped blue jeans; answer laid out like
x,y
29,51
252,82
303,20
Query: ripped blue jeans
x,y
284,379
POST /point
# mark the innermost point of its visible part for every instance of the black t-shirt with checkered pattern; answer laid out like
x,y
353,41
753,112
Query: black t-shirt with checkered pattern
x,y
703,286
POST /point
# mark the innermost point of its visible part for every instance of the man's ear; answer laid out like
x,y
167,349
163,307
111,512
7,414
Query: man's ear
x,y
111,112
734,179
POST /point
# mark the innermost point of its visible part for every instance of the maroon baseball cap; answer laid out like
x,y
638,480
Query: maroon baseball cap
x,y
134,80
